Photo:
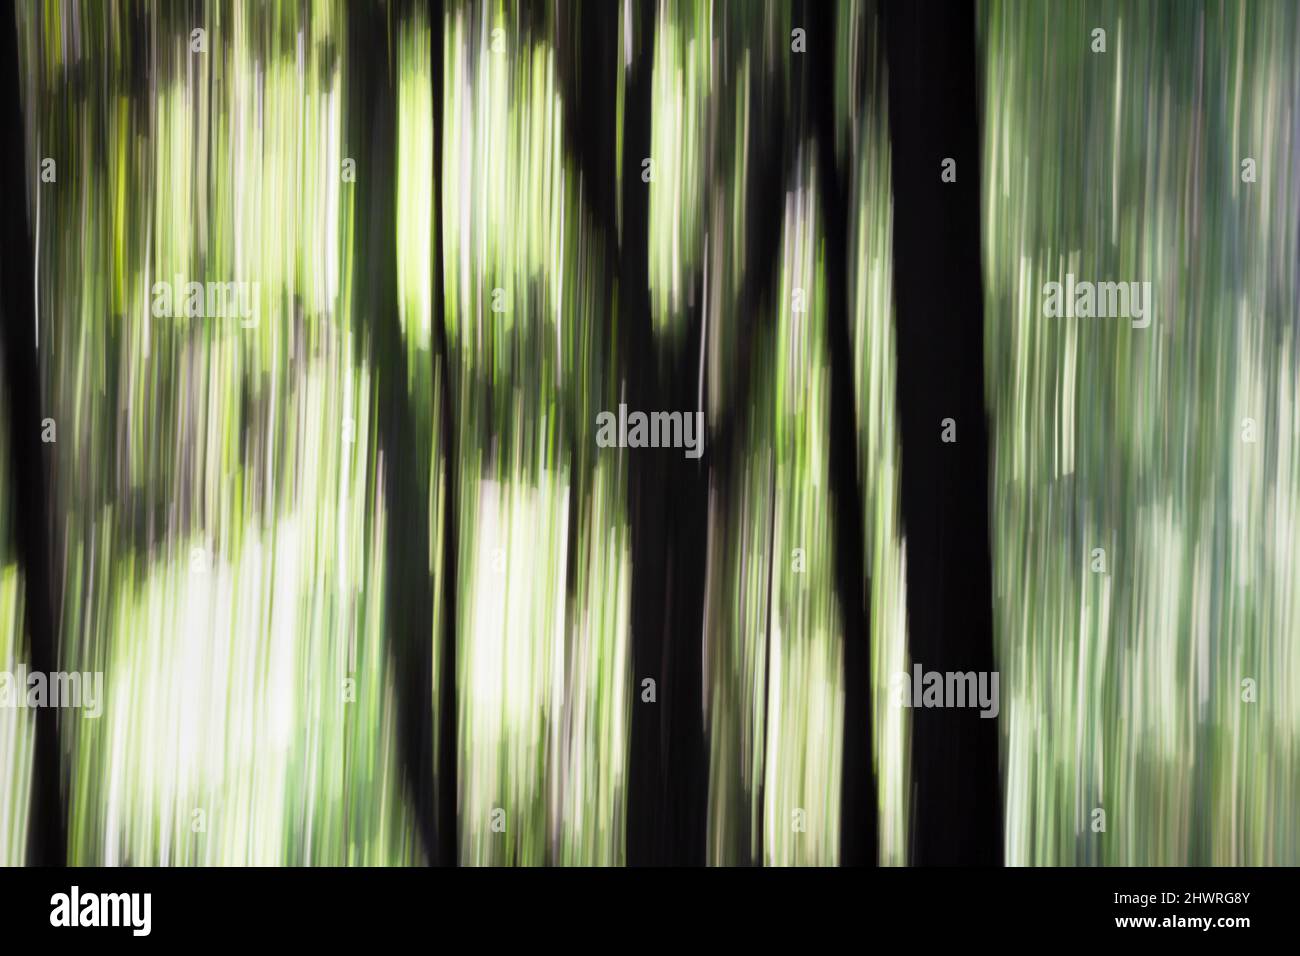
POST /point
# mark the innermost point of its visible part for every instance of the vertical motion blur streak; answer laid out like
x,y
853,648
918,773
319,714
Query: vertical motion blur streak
x,y
464,432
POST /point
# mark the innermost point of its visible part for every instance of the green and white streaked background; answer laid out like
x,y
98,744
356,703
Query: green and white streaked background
x,y
1123,689
220,494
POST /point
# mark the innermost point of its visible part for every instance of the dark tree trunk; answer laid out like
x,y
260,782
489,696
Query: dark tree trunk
x,y
448,745
957,807
29,469
668,511
852,587
667,493
409,597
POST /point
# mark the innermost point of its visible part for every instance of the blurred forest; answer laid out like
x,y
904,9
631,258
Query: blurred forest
x,y
365,590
